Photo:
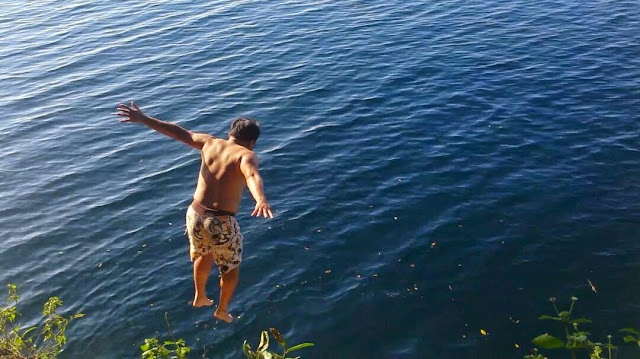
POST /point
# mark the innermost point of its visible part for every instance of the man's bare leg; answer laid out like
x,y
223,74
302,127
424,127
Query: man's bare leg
x,y
201,269
228,284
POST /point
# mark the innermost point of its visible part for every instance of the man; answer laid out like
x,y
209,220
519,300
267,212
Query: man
x,y
214,235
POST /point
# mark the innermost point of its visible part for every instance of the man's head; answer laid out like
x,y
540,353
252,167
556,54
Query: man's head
x,y
245,130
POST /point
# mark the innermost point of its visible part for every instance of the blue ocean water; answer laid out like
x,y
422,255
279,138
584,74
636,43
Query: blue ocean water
x,y
437,168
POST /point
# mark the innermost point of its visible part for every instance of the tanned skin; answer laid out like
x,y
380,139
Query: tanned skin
x,y
227,167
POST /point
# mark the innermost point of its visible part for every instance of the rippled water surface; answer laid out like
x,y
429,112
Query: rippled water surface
x,y
437,167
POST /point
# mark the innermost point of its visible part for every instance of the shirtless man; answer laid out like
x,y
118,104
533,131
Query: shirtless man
x,y
214,235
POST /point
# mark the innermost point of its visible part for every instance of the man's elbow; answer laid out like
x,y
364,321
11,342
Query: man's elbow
x,y
253,176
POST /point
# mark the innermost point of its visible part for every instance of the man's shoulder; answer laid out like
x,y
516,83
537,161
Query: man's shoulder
x,y
208,140
217,146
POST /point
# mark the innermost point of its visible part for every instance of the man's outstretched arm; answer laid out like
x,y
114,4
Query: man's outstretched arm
x,y
249,168
134,114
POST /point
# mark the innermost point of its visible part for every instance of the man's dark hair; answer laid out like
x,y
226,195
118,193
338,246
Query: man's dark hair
x,y
245,129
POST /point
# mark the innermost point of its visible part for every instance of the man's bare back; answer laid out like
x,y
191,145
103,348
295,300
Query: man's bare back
x,y
221,181
213,232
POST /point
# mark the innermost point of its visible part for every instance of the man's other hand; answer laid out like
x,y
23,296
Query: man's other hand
x,y
130,113
262,209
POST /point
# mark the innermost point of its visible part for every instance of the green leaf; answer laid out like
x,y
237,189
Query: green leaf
x,y
264,342
299,346
580,320
148,355
580,342
630,330
548,317
28,330
577,334
246,349
629,339
182,351
162,351
278,336
13,297
546,341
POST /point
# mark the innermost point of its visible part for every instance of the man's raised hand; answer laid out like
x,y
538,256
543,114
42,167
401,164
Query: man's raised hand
x,y
130,113
262,209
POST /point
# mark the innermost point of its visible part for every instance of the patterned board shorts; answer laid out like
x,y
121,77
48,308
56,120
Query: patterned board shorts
x,y
217,235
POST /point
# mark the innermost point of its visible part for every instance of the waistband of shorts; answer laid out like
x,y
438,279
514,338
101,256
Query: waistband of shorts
x,y
203,210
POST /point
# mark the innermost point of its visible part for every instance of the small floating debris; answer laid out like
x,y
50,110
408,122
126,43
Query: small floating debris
x,y
450,288
319,230
144,245
593,287
433,244
412,265
483,332
306,248
396,218
327,271
358,276
375,275
100,265
171,224
516,345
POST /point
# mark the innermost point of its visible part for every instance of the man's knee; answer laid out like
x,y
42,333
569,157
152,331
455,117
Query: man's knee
x,y
231,273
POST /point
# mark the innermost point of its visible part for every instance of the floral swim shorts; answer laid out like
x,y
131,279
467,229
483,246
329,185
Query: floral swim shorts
x,y
214,234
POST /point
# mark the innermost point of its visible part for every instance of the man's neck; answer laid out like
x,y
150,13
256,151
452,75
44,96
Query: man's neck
x,y
236,141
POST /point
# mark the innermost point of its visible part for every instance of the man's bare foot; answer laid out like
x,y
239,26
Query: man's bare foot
x,y
202,302
223,315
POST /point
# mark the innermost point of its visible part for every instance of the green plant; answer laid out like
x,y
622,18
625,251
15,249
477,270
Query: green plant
x,y
169,349
535,355
575,339
262,353
633,336
16,342
152,349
